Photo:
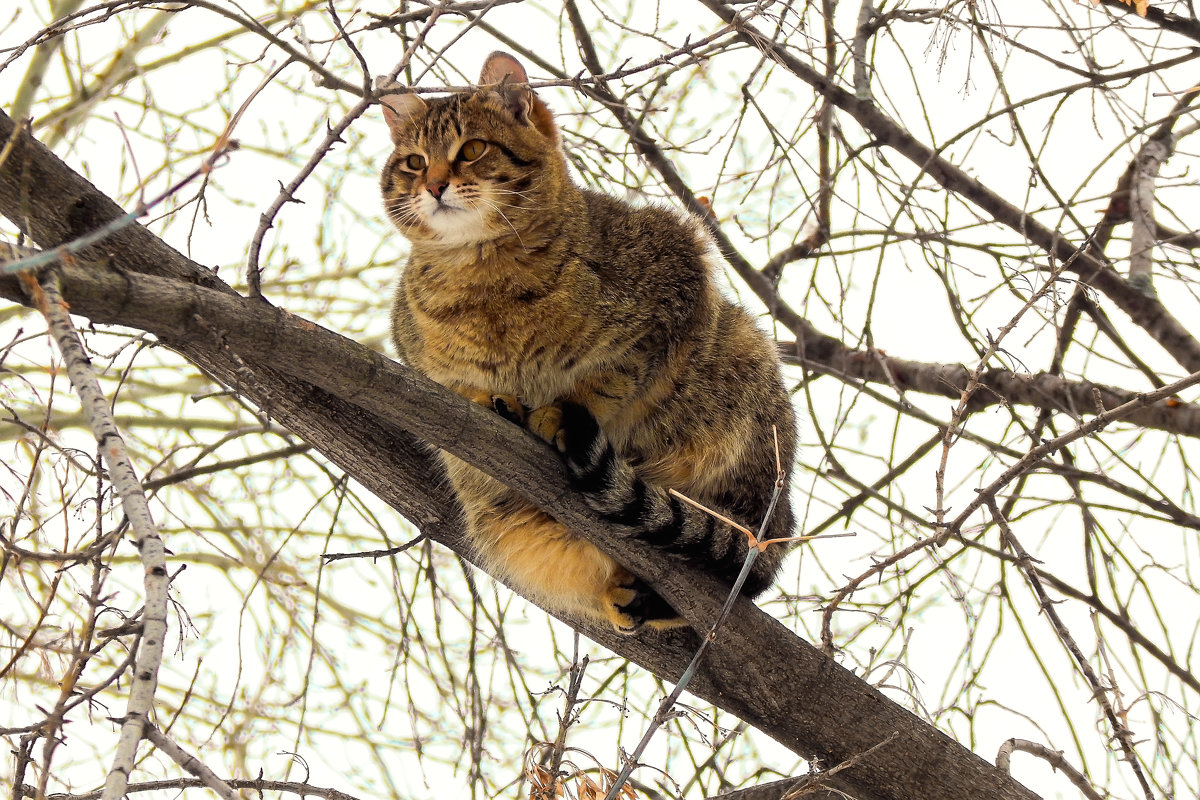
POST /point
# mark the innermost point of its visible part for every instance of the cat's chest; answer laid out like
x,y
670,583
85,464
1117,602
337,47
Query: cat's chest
x,y
522,340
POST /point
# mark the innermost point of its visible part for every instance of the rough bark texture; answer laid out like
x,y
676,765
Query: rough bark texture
x,y
365,414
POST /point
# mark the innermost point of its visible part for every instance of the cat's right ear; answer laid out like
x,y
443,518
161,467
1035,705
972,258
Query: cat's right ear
x,y
399,105
500,67
505,80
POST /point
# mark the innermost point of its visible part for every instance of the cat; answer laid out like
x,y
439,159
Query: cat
x,y
599,326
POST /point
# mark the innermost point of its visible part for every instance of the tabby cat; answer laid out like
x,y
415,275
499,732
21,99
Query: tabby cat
x,y
599,326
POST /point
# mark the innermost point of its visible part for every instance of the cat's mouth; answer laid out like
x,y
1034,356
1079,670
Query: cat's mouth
x,y
444,213
453,223
448,203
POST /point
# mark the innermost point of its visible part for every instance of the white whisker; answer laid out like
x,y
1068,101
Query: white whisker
x,y
495,207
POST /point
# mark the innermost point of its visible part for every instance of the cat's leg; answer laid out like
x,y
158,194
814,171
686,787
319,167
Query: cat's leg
x,y
557,569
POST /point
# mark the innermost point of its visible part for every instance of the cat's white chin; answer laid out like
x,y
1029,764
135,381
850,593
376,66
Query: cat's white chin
x,y
452,225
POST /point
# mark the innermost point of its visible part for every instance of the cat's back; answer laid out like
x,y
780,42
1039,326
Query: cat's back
x,y
644,235
654,260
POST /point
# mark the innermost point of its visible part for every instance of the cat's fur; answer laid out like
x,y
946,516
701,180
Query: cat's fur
x,y
524,291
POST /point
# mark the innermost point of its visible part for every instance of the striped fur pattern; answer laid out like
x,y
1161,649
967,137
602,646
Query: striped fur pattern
x,y
596,324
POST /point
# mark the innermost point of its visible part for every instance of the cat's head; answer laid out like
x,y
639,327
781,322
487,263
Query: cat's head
x,y
472,167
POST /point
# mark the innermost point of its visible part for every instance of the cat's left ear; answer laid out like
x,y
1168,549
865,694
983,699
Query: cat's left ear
x,y
505,83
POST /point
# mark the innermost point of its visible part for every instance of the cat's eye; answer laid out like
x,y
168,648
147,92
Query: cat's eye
x,y
472,150
415,162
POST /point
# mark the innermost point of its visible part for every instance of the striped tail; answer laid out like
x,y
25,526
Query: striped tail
x,y
652,515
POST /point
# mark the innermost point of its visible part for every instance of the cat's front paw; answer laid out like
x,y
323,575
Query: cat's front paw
x,y
572,430
546,422
506,405
608,484
510,408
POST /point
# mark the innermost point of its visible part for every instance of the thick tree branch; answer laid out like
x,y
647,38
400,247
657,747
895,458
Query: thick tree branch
x,y
1174,23
792,693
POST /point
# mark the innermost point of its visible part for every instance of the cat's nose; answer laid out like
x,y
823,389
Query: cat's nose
x,y
436,188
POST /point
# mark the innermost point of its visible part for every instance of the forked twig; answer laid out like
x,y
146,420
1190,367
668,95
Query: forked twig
x,y
569,714
713,513
755,542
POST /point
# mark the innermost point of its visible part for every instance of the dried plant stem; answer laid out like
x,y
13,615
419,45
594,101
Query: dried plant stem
x,y
146,539
570,700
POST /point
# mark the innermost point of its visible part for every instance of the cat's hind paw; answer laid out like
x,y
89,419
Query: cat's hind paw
x,y
614,603
630,604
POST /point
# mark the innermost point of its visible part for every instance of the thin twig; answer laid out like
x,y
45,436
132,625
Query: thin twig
x,y
1099,691
1043,450
664,708
287,194
1023,465
149,545
175,784
1056,759
695,504
75,246
952,428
